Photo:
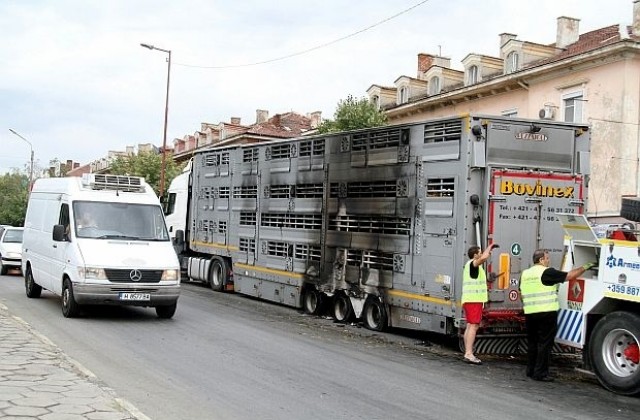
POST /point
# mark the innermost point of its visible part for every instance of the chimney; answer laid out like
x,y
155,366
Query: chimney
x,y
567,32
424,62
235,120
443,62
261,116
635,26
315,117
504,38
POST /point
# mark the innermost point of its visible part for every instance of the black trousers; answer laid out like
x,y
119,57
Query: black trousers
x,y
541,332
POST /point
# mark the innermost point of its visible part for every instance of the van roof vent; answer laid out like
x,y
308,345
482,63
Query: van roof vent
x,y
113,182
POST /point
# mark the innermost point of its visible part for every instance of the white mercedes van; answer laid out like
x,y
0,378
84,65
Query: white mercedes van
x,y
99,239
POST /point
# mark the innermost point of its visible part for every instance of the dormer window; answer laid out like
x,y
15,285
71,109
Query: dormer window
x,y
403,96
472,75
512,62
434,85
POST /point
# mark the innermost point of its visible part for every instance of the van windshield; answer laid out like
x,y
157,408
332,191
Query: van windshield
x,y
104,220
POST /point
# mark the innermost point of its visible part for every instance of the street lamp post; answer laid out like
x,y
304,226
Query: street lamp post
x,y
31,168
163,168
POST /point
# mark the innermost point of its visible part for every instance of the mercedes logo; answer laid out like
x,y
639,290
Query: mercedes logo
x,y
135,275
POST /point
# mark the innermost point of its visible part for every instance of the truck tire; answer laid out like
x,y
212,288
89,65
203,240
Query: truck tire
x,y
3,268
374,314
630,208
342,309
219,274
614,352
313,301
70,307
166,311
33,290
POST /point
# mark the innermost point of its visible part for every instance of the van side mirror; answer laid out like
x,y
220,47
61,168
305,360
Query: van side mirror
x,y
179,237
58,233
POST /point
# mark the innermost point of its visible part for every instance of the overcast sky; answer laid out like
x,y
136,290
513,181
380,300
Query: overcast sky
x,y
76,83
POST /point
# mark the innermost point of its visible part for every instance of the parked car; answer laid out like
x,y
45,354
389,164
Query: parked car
x,y
10,248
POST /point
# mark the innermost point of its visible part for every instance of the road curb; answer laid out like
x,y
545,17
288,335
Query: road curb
x,y
80,369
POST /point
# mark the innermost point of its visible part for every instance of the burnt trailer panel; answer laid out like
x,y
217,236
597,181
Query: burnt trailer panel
x,y
377,222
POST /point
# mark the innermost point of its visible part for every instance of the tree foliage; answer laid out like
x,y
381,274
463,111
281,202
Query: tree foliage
x,y
352,114
147,165
13,198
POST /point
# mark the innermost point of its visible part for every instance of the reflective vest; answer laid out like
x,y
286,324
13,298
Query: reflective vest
x,y
474,290
536,297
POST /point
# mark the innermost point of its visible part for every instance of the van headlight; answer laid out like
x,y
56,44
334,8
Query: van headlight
x,y
93,273
14,255
171,275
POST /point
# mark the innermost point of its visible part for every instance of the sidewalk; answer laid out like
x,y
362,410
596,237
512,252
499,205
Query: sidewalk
x,y
38,381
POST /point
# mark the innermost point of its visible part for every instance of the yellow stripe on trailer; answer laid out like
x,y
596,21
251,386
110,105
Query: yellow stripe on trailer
x,y
401,294
269,270
215,245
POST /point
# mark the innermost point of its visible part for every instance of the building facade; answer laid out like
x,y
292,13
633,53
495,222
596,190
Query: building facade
x,y
592,77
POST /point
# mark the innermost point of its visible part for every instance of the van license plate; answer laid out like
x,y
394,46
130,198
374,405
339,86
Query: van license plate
x,y
135,296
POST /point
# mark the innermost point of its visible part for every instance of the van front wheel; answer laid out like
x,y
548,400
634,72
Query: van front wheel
x,y
167,311
70,308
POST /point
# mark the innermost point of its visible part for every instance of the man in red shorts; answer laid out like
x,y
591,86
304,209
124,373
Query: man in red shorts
x,y
474,296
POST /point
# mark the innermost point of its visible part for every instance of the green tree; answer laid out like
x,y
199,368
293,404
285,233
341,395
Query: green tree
x,y
147,165
352,114
13,198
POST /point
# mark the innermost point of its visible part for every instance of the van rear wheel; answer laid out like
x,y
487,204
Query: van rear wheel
x,y
70,307
33,290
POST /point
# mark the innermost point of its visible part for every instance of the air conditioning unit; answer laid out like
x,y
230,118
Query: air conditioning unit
x,y
546,113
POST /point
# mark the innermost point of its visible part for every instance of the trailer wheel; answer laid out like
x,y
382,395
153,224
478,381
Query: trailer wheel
x,y
374,315
70,308
614,352
313,302
33,290
342,309
630,208
219,274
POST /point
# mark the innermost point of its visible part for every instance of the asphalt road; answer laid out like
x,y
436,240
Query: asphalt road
x,y
225,356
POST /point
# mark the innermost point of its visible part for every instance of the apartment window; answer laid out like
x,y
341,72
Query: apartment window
x,y
472,75
573,107
513,112
434,85
512,62
404,95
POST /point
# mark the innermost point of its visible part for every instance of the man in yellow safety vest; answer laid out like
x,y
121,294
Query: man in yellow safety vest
x,y
474,296
539,290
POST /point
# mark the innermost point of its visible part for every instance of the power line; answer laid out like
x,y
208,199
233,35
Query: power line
x,y
308,50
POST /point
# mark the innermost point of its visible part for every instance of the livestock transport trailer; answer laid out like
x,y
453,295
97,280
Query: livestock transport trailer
x,y
376,223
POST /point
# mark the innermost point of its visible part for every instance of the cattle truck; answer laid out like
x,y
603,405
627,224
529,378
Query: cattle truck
x,y
376,223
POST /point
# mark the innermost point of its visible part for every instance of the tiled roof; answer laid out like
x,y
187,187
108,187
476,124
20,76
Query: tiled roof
x,y
287,125
588,41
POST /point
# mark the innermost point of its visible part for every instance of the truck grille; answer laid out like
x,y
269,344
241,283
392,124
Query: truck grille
x,y
124,276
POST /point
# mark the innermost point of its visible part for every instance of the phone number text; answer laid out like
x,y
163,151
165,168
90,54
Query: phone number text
x,y
626,290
